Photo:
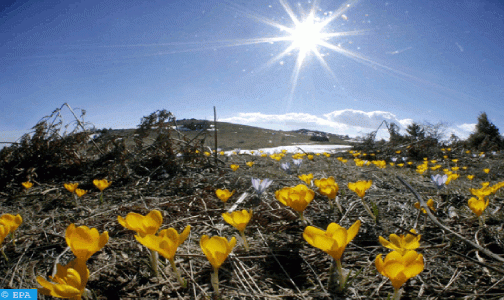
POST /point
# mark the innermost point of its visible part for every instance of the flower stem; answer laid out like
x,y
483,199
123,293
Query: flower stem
x,y
331,275
182,282
245,243
154,262
5,256
368,209
13,239
397,294
338,205
342,281
101,198
215,281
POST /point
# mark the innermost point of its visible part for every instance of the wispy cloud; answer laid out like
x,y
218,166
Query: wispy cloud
x,y
399,51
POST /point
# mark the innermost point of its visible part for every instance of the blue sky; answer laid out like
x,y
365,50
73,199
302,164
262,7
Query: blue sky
x,y
400,61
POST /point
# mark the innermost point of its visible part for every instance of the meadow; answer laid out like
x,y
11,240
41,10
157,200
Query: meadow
x,y
177,173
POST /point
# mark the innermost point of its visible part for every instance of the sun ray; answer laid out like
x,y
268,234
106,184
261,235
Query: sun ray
x,y
316,35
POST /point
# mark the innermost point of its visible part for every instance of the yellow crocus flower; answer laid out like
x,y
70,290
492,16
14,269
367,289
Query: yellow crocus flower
x,y
360,187
80,192
478,205
249,163
11,222
297,197
486,170
327,187
71,187
334,240
306,178
399,268
224,195
85,241
451,177
143,225
238,219
234,167
166,242
481,193
27,184
216,249
402,243
69,282
102,184
430,204
470,177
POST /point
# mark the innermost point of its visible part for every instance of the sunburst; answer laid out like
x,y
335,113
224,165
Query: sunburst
x,y
308,35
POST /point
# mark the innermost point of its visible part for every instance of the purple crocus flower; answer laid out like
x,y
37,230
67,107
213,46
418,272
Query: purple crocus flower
x,y
439,180
261,185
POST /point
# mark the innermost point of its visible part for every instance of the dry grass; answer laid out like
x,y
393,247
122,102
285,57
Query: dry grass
x,y
280,264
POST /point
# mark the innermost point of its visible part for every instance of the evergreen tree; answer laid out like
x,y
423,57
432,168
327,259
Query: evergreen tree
x,y
415,131
486,135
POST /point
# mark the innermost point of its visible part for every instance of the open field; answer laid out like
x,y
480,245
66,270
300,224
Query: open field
x,y
280,263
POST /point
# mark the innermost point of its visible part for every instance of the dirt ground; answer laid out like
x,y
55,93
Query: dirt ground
x,y
280,263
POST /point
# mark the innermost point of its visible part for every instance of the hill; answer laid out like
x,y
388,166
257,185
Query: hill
x,y
231,136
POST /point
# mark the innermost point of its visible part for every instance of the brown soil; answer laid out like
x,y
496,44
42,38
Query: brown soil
x,y
280,264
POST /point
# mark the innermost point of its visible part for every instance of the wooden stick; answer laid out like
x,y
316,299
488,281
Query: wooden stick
x,y
215,135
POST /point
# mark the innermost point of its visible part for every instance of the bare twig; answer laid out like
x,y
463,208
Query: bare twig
x,y
436,221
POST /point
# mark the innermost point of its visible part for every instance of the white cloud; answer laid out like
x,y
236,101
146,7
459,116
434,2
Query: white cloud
x,y
286,121
362,119
462,131
345,122
349,122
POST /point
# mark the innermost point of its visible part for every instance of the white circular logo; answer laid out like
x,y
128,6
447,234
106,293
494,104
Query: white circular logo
x,y
5,294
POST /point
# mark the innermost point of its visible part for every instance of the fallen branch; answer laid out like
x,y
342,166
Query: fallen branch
x,y
423,204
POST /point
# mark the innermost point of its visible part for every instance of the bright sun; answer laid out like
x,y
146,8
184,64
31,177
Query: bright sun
x,y
308,36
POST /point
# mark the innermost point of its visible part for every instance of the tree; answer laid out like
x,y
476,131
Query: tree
x,y
415,131
395,136
486,135
435,132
